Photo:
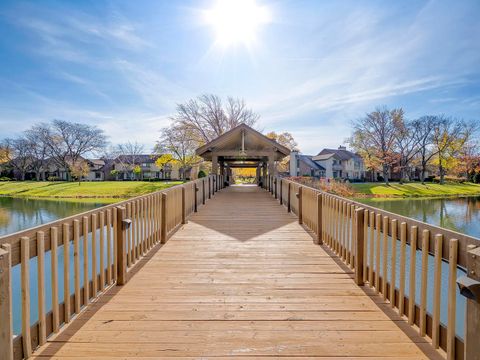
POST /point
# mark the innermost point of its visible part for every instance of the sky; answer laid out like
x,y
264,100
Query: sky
x,y
306,67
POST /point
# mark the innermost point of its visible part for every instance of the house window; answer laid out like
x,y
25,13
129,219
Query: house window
x,y
98,175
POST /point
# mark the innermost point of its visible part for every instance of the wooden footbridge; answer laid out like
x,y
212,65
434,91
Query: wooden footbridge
x,y
207,270
239,277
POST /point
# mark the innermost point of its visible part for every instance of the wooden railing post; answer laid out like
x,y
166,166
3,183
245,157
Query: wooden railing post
x,y
6,323
359,245
163,231
184,207
300,211
275,187
209,186
472,324
203,191
281,192
121,246
288,197
319,239
195,204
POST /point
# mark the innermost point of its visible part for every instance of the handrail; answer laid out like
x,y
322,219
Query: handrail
x,y
115,237
382,239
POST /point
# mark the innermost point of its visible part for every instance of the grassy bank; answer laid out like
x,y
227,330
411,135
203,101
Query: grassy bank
x,y
108,191
415,189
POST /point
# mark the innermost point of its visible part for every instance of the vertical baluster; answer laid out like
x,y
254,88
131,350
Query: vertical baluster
x,y
102,251
403,245
330,222
138,229
144,226
25,270
128,237
109,246
150,217
437,283
385,257
341,221
352,225
326,222
54,274
115,241
86,277
365,244
337,226
378,240
452,298
66,271
155,216
94,256
372,247
76,263
393,260
42,332
423,294
348,236
344,231
412,277
147,224
164,218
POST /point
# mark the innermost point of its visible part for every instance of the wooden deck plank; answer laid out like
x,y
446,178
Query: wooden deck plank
x,y
241,279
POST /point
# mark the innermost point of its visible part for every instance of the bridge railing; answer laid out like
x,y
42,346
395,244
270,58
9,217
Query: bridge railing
x,y
75,259
401,259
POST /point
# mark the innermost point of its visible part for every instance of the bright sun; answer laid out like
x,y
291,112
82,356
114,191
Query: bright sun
x,y
236,21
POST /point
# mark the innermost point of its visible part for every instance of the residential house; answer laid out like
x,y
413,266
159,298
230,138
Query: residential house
x,y
329,163
124,165
303,165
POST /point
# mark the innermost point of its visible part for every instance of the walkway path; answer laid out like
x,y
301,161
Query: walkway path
x,y
241,279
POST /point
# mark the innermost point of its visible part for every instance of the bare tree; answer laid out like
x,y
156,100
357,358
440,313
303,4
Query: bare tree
x,y
406,145
129,155
205,118
38,150
17,155
378,132
68,142
423,132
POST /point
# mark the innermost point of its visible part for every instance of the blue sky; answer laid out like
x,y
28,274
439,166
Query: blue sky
x,y
313,68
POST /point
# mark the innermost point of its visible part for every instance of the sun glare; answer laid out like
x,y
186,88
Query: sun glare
x,y
236,21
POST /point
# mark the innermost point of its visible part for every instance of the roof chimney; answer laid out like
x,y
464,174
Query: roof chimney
x,y
341,147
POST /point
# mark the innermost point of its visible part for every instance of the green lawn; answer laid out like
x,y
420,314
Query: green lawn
x,y
101,189
416,189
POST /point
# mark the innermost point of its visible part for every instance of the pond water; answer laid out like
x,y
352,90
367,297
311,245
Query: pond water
x,y
17,214
458,214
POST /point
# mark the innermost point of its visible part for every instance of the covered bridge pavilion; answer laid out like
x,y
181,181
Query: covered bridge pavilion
x,y
243,147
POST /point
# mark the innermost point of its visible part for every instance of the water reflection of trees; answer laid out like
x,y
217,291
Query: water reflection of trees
x,y
459,214
4,217
17,214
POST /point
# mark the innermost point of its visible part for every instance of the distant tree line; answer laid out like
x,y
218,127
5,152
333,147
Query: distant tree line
x,y
388,141
58,142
